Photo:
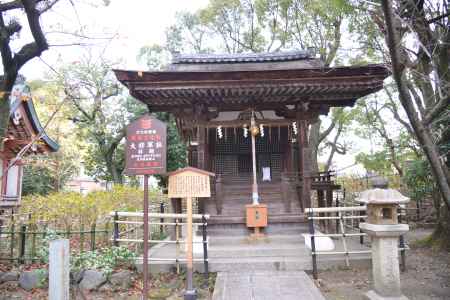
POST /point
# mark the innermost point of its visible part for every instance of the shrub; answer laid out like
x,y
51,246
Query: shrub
x,y
74,209
105,260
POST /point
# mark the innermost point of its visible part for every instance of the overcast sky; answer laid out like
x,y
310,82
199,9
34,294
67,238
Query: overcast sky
x,y
134,23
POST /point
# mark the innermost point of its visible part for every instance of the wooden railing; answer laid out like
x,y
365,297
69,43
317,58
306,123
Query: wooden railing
x,y
124,220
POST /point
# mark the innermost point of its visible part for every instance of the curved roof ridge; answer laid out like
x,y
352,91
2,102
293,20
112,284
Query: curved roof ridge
x,y
200,58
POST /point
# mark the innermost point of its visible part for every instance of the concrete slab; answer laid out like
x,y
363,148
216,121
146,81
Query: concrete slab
x,y
275,253
262,285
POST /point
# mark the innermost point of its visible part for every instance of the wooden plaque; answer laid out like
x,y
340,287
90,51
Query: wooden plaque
x,y
146,147
189,182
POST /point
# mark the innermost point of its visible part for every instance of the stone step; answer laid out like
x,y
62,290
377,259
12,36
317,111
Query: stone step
x,y
270,204
260,264
273,218
227,202
244,231
260,250
260,285
272,239
273,209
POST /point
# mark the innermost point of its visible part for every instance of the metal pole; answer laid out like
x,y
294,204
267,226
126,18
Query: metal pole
x,y
190,293
313,244
205,251
116,229
146,237
361,238
402,246
255,196
23,230
161,227
337,213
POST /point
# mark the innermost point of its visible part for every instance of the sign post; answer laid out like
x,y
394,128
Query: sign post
x,y
188,183
146,155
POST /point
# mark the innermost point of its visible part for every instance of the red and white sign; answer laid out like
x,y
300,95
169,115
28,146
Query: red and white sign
x,y
146,147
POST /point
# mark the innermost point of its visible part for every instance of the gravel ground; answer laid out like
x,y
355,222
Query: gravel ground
x,y
427,275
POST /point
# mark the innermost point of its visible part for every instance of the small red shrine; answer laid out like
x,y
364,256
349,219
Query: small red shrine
x,y
24,126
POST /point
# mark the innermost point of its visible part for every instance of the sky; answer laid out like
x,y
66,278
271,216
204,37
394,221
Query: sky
x,y
133,24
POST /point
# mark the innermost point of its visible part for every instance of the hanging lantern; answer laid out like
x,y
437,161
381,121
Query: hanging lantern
x,y
254,130
261,129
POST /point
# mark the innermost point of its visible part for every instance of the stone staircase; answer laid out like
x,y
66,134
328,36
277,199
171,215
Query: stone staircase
x,y
230,247
238,194
283,248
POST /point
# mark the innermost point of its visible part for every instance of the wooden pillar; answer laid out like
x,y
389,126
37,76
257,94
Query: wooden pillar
x,y
304,159
288,157
201,148
202,152
321,203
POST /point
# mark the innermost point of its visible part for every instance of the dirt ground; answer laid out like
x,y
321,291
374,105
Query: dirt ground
x,y
427,275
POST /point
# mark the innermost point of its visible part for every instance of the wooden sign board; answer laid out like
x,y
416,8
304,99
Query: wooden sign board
x,y
146,147
189,182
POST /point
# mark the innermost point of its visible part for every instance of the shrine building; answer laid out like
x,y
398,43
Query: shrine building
x,y
214,98
24,127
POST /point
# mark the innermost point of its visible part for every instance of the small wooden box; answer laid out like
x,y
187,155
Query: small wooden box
x,y
256,215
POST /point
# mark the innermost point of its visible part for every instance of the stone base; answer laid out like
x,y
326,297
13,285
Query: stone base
x,y
372,295
190,295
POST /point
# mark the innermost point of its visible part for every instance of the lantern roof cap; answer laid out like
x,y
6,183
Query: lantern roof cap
x,y
191,169
382,196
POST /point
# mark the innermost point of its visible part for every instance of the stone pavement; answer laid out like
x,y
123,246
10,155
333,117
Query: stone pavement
x,y
265,285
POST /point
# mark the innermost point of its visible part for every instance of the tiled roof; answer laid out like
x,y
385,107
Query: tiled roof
x,y
240,57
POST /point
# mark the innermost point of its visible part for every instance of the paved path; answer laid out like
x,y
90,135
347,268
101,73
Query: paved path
x,y
265,285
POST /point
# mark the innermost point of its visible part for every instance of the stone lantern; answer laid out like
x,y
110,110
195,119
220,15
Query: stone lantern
x,y
383,228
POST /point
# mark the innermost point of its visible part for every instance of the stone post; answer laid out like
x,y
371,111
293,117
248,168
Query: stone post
x,y
59,270
383,228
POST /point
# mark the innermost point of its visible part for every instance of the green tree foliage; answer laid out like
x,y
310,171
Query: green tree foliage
x,y
392,143
176,149
37,180
24,36
267,25
100,112
417,35
48,173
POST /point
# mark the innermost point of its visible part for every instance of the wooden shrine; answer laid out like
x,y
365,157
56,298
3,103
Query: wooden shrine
x,y
24,127
214,97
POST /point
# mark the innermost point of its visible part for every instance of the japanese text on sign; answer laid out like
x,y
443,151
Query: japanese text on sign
x,y
146,147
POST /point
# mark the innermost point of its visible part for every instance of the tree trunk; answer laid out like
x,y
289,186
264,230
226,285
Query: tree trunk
x,y
112,169
7,86
423,132
441,233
